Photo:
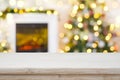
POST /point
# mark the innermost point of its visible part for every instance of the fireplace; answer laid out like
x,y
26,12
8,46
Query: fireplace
x,y
31,37
33,33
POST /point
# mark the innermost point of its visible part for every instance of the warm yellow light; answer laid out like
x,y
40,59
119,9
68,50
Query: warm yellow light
x,y
101,1
61,35
80,25
1,13
99,22
33,8
49,12
27,9
96,34
55,12
72,15
75,7
85,37
3,43
93,5
5,51
94,45
67,48
82,6
105,8
76,37
68,26
21,12
89,50
107,38
105,51
86,15
96,15
9,16
112,26
96,28
80,19
112,48
15,10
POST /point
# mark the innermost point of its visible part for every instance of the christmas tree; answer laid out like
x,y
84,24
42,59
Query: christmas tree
x,y
87,30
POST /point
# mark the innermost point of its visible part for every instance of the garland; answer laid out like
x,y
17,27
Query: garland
x,y
22,11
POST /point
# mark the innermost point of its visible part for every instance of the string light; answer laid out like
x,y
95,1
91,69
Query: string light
x,y
1,13
15,10
85,37
105,51
40,8
112,26
93,5
95,28
89,50
86,15
33,9
55,12
21,11
67,48
96,34
105,8
80,19
80,25
94,45
49,12
99,22
76,37
96,15
82,6
112,48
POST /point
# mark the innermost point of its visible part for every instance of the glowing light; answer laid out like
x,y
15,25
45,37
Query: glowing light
x,y
96,34
93,5
89,50
49,12
15,10
105,8
96,28
107,38
105,51
27,9
3,44
67,48
76,37
112,48
80,19
21,12
33,8
96,15
82,6
112,26
94,45
87,15
61,35
55,12
75,7
99,22
85,37
12,2
80,25
1,13
68,26
20,3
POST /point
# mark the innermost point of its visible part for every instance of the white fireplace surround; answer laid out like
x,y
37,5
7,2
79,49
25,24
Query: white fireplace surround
x,y
51,20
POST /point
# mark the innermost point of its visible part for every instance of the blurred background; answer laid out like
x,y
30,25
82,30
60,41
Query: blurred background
x,y
64,8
